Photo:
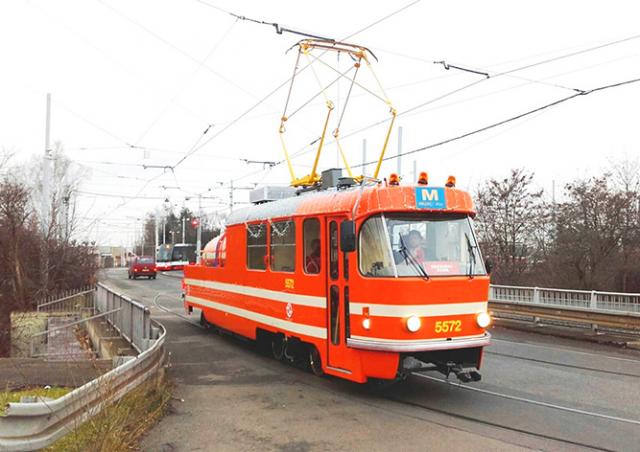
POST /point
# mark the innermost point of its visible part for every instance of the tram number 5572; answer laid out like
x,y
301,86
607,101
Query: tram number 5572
x,y
446,326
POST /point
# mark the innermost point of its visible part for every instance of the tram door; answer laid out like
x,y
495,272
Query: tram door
x,y
337,296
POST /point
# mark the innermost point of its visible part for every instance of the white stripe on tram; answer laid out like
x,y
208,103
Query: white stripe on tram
x,y
284,297
375,309
299,328
421,310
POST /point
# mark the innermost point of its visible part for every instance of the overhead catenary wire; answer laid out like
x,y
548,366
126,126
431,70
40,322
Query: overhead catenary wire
x,y
184,83
278,28
476,82
276,89
174,47
115,195
505,121
537,110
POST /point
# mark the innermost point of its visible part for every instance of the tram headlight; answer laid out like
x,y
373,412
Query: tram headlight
x,y
366,323
414,323
483,319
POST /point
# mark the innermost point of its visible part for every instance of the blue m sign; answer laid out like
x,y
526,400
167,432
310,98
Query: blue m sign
x,y
430,198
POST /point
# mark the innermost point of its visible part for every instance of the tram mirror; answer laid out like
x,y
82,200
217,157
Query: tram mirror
x,y
488,264
347,236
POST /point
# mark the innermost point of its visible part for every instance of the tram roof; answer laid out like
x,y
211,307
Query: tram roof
x,y
366,200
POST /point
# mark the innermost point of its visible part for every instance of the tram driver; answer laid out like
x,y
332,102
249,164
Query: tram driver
x,y
414,245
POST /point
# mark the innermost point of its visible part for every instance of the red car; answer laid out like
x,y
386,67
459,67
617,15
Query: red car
x,y
142,266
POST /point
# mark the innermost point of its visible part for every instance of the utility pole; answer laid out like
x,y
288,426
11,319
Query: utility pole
x,y
399,151
184,219
155,230
46,170
230,195
142,231
164,225
199,233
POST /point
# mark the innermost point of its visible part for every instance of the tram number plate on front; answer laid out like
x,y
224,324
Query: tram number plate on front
x,y
448,326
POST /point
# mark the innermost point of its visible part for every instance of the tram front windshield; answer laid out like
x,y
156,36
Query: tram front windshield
x,y
423,245
184,253
164,253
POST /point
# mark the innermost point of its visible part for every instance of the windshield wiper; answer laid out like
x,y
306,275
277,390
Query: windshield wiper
x,y
412,260
472,255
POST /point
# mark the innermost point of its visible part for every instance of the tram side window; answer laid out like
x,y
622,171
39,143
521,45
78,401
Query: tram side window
x,y
283,246
312,246
333,250
257,246
334,298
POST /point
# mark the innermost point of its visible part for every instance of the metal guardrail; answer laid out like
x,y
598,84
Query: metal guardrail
x,y
613,310
32,426
130,318
73,302
36,345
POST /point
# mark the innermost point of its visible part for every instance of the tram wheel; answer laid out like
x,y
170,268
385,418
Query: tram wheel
x,y
315,363
277,347
203,321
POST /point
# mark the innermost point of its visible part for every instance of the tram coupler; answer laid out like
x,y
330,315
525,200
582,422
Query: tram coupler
x,y
464,374
410,364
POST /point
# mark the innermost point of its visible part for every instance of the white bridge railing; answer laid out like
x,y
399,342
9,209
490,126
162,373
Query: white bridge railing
x,y
578,299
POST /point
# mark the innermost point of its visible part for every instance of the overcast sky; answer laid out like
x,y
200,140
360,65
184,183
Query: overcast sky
x,y
138,82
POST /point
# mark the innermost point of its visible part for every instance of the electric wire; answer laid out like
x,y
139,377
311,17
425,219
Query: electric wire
x,y
278,28
175,47
475,131
476,82
124,67
184,83
272,92
504,121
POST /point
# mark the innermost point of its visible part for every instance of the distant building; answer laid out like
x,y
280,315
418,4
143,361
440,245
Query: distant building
x,y
112,256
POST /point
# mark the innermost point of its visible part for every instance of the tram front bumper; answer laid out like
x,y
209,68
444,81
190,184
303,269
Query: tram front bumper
x,y
423,345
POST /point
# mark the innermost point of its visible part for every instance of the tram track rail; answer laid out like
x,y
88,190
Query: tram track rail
x,y
571,366
171,311
568,350
452,414
498,425
529,401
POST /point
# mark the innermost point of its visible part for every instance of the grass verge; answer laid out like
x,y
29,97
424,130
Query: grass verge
x,y
15,396
120,426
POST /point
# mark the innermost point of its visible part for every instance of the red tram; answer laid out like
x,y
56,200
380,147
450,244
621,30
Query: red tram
x,y
364,281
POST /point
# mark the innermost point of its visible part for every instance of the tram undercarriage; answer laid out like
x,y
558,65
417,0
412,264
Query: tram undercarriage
x,y
463,363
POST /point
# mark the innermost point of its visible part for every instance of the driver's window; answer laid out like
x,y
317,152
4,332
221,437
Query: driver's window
x,y
375,259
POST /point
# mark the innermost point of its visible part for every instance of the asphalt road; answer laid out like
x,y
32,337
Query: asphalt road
x,y
537,392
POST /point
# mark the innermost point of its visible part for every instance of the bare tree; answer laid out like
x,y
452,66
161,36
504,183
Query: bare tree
x,y
16,242
592,233
626,180
509,211
70,265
